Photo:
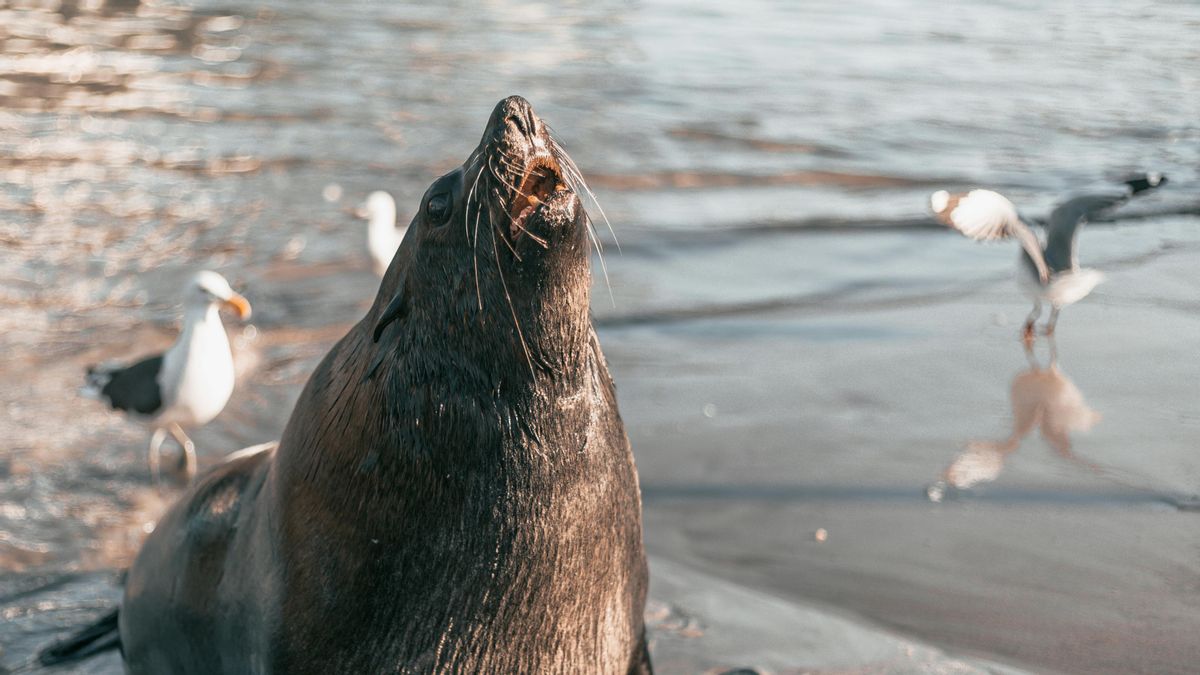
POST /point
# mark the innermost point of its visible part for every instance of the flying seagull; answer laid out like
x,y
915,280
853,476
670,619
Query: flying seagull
x,y
1048,272
186,386
383,237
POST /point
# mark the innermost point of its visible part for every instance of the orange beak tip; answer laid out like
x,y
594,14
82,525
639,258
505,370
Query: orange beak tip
x,y
240,305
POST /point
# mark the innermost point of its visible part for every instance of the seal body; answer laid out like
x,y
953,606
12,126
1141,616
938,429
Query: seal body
x,y
454,491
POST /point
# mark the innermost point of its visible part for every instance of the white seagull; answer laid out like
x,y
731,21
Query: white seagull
x,y
1050,272
383,236
190,383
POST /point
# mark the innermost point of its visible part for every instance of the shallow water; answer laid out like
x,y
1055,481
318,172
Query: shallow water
x,y
791,333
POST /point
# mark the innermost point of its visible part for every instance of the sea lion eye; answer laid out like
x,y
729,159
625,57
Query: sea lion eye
x,y
438,208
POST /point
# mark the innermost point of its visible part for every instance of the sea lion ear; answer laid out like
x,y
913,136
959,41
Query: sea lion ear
x,y
394,310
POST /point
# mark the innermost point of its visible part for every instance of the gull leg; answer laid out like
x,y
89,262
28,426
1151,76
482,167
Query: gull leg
x,y
1030,356
189,450
1052,322
156,441
1027,333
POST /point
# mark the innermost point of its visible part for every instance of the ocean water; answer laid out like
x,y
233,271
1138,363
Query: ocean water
x,y
784,318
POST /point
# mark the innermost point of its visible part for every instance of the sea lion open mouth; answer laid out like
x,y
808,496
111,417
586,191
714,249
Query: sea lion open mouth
x,y
541,184
535,181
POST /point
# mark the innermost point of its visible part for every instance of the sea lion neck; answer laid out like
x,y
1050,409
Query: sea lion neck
x,y
450,428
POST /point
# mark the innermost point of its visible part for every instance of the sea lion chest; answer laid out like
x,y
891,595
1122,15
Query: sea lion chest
x,y
519,554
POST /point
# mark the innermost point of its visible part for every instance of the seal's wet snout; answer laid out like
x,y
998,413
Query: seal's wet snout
x,y
532,170
519,223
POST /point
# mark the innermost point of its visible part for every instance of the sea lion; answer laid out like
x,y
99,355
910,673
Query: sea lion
x,y
454,491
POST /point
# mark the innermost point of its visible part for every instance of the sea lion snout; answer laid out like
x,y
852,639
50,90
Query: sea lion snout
x,y
519,220
516,114
517,130
535,175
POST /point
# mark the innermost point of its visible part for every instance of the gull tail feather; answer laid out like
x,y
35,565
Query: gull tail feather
x,y
95,381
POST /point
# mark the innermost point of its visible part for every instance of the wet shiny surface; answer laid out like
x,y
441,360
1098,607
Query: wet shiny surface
x,y
797,345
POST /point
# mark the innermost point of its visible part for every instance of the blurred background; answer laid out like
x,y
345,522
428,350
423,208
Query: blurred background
x,y
818,380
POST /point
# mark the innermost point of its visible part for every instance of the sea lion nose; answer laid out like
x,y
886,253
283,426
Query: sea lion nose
x,y
516,113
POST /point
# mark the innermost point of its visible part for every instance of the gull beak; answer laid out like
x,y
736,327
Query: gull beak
x,y
240,305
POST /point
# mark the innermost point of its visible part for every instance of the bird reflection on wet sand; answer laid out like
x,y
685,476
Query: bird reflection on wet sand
x,y
1042,397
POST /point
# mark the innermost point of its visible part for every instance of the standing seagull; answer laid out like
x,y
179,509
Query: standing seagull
x,y
190,383
383,237
1049,273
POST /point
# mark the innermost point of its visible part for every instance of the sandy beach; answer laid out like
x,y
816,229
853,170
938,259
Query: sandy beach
x,y
1079,564
797,345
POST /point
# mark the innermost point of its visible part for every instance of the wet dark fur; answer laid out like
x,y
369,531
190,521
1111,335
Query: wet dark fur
x,y
468,505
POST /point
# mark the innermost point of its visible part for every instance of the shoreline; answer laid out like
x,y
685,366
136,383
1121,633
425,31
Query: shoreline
x,y
697,623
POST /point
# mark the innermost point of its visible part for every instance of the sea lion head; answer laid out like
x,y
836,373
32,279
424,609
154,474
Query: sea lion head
x,y
495,263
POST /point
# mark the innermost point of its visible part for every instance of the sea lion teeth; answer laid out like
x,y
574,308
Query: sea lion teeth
x,y
519,221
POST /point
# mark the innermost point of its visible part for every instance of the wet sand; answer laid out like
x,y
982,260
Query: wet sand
x,y
697,622
840,419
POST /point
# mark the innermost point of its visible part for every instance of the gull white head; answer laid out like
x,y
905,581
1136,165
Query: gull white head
x,y
382,236
381,207
939,200
208,288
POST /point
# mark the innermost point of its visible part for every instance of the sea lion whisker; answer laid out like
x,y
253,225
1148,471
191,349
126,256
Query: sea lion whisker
x,y
575,180
506,241
540,172
475,238
477,154
508,156
519,167
501,179
467,210
540,241
600,255
513,222
509,160
475,260
569,167
512,308
525,170
510,218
